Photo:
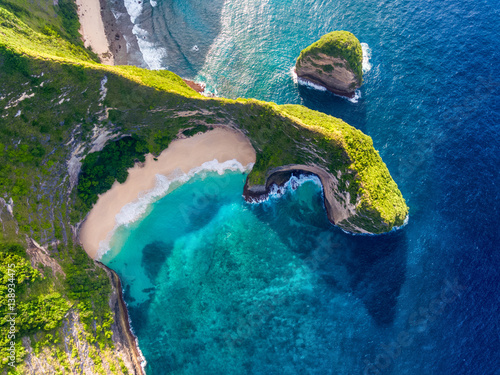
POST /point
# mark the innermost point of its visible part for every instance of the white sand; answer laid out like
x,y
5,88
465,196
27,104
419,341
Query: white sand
x,y
222,144
92,29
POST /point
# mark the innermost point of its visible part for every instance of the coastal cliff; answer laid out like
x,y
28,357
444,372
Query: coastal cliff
x,y
52,330
338,205
124,338
333,62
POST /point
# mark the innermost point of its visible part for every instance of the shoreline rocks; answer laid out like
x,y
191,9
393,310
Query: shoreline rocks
x,y
337,204
123,337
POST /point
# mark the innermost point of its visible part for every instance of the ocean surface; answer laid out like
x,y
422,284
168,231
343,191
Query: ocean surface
x,y
219,286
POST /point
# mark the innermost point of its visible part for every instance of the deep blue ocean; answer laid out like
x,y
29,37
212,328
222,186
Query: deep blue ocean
x,y
226,287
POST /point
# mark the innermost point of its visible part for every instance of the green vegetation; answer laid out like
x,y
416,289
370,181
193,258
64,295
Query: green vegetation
x,y
147,103
43,16
158,79
41,299
338,44
30,297
46,43
381,199
37,119
88,286
195,130
70,22
101,169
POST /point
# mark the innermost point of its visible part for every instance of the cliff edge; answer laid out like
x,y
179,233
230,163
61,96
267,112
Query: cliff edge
x,y
334,62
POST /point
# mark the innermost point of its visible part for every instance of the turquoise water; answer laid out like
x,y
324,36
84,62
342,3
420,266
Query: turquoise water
x,y
217,285
375,304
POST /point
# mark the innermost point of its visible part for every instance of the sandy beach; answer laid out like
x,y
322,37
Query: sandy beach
x,y
92,29
222,144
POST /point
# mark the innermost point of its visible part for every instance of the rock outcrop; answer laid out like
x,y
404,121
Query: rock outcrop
x,y
341,212
124,339
334,62
73,353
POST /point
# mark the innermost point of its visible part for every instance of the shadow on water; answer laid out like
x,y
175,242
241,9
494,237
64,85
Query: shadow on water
x,y
154,256
185,29
377,266
138,311
354,114
373,268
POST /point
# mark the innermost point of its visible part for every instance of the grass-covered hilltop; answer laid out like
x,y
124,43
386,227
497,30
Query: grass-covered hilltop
x,y
69,127
334,62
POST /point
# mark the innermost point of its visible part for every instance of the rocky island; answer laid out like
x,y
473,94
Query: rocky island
x,y
333,62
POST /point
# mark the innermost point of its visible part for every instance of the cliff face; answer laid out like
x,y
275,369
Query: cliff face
x,y
69,348
340,210
124,340
337,203
129,100
334,62
81,357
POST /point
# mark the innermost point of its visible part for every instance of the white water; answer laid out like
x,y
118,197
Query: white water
x,y
276,192
137,209
153,55
367,55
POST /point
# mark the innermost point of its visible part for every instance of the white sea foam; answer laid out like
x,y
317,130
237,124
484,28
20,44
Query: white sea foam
x,y
153,55
367,55
209,90
305,82
294,74
134,8
366,66
357,96
403,225
276,192
136,210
